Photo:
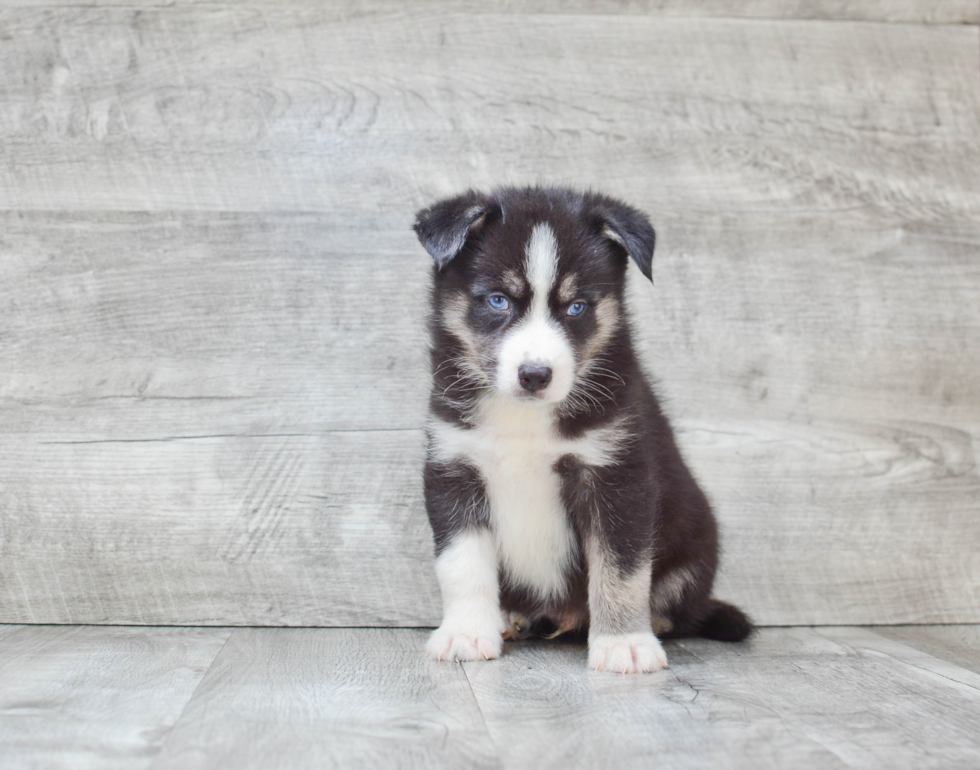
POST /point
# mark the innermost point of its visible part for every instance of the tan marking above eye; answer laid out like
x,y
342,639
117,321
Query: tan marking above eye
x,y
513,283
568,288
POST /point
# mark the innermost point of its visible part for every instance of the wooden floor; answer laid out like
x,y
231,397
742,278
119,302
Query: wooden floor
x,y
818,697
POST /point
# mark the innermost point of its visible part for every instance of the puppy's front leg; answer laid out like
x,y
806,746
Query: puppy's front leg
x,y
620,636
472,624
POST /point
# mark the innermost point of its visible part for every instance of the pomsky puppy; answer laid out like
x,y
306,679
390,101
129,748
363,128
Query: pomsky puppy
x,y
553,484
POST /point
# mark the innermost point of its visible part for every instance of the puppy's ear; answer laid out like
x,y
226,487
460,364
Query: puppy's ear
x,y
444,227
630,229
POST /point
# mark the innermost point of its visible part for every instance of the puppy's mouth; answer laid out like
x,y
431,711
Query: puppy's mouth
x,y
522,395
543,396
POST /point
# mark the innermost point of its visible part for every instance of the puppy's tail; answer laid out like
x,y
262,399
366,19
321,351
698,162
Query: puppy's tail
x,y
725,622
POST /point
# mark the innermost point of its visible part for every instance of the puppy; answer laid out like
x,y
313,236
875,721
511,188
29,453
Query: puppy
x,y
553,483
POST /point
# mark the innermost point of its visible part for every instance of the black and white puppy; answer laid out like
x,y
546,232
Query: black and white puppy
x,y
553,483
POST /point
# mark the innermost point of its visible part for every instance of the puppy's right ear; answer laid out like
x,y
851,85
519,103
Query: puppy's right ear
x,y
444,227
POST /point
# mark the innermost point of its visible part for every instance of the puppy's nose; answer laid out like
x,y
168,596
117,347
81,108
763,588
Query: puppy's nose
x,y
534,378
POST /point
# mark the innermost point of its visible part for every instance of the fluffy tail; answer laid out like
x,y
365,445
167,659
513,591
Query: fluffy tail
x,y
725,622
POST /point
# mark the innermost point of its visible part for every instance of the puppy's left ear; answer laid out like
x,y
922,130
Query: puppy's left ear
x,y
630,228
444,227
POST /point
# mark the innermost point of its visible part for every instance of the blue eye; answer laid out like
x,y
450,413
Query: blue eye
x,y
498,302
576,308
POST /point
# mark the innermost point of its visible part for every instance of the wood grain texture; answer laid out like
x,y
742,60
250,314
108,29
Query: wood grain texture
x,y
132,326
330,529
298,698
146,326
789,698
8,630
279,530
212,357
959,645
808,698
900,11
308,106
870,642
814,519
83,697
207,423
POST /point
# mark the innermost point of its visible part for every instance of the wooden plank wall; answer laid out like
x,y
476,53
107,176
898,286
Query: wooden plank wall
x,y
212,361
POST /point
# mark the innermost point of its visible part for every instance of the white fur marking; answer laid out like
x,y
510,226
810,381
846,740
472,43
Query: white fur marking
x,y
542,262
538,339
514,446
639,653
472,623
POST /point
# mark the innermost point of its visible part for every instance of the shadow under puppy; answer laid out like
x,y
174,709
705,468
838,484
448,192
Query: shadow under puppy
x,y
553,483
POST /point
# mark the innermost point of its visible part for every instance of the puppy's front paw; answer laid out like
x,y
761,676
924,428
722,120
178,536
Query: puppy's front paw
x,y
626,653
457,643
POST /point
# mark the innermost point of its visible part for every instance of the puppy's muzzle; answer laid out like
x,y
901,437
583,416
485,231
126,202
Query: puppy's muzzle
x,y
534,378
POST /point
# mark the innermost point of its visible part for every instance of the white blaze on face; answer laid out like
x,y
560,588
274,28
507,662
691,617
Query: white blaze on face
x,y
538,339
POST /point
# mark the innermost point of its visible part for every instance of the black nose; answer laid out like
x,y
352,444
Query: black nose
x,y
533,378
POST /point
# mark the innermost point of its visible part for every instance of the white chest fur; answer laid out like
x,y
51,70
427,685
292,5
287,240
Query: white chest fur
x,y
515,447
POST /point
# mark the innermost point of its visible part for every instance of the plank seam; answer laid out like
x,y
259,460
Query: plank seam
x,y
479,708
183,710
858,650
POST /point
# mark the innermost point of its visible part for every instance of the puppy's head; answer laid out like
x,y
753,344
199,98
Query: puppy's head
x,y
529,283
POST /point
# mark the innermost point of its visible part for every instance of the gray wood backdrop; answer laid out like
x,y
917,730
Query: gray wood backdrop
x,y
212,362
